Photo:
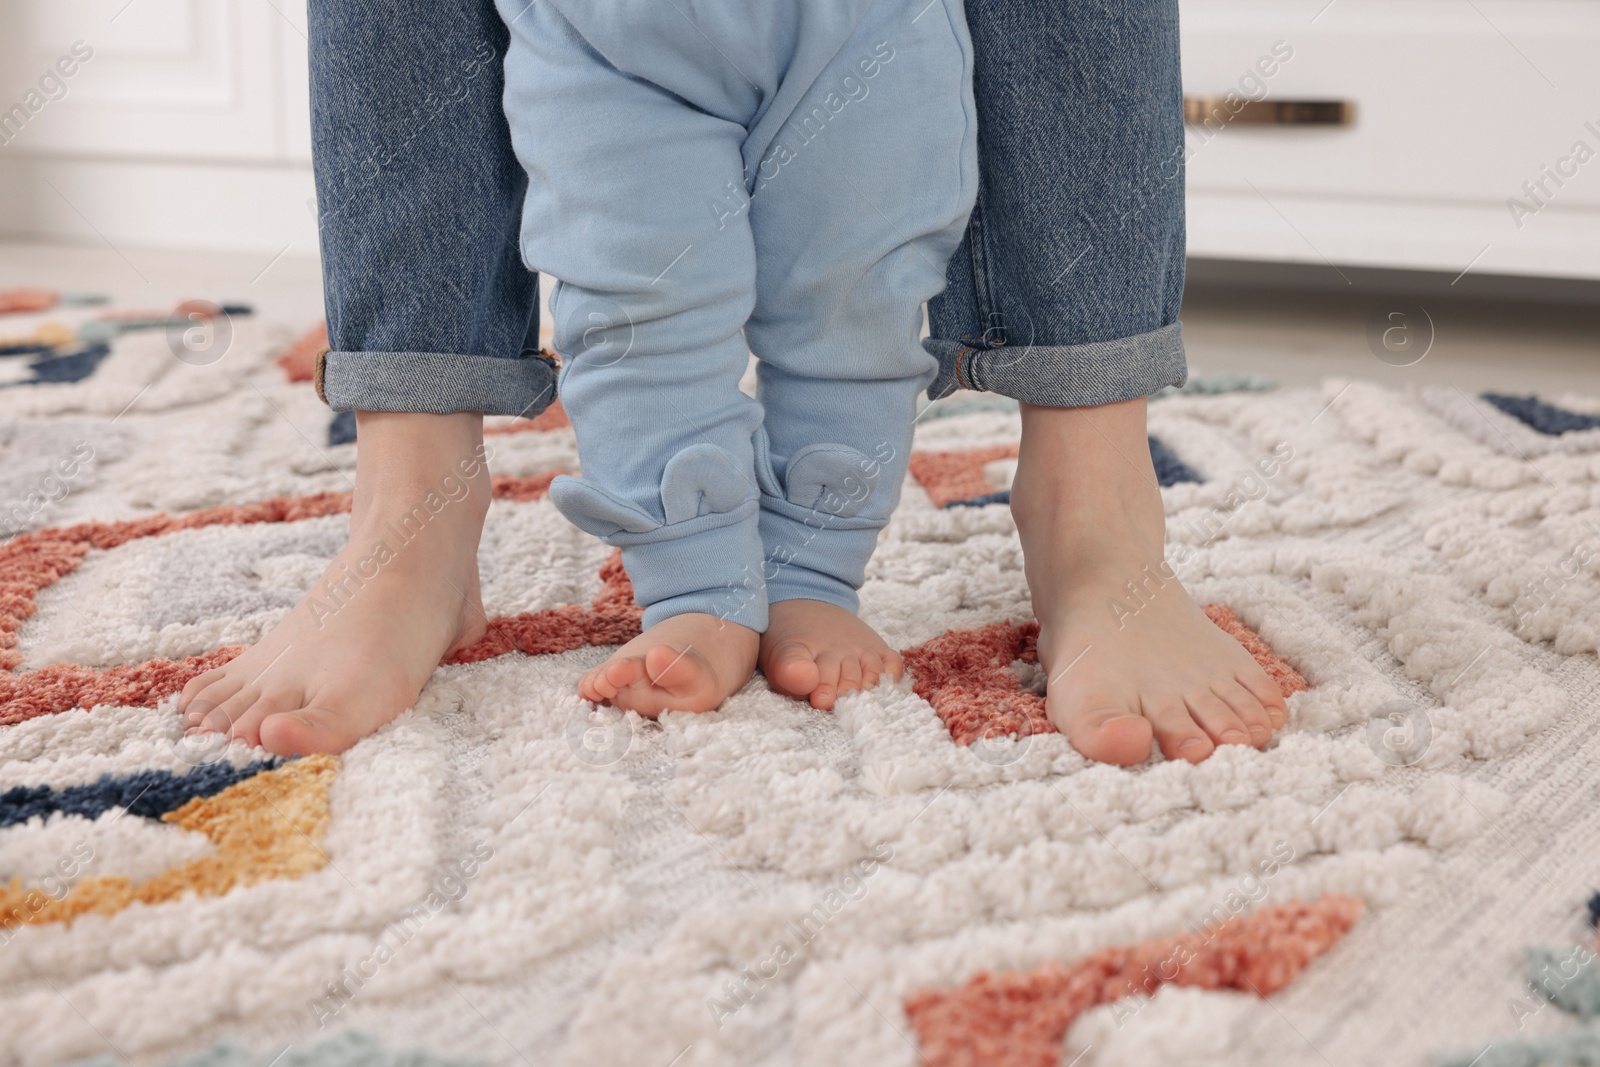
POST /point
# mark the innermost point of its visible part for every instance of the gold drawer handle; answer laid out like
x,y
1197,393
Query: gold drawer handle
x,y
1219,111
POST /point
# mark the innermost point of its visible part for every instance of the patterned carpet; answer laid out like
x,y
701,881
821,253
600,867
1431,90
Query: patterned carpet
x,y
928,875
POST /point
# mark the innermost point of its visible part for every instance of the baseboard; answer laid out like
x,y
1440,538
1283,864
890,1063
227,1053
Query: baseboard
x,y
215,206
1206,273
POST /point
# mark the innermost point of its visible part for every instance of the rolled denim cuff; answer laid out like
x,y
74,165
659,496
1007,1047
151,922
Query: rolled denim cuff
x,y
1064,376
435,382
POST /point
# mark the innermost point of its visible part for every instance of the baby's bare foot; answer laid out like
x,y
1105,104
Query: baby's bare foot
x,y
1089,513
816,651
401,595
689,662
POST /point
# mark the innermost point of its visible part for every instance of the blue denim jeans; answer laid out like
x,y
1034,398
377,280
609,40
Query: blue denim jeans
x,y
1064,293
419,207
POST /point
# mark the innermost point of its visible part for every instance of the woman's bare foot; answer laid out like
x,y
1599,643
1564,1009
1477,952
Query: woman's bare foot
x,y
816,651
400,596
1088,509
689,662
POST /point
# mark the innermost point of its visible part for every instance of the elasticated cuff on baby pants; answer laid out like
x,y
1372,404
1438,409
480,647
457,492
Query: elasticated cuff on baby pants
x,y
705,557
820,518
437,383
702,572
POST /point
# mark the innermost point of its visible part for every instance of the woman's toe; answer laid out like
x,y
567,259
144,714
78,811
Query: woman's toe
x,y
1261,686
197,685
1217,719
206,710
247,727
1111,735
1179,736
1249,711
306,730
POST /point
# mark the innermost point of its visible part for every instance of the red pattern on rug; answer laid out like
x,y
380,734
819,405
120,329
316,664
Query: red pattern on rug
x,y
13,301
184,311
299,360
522,490
966,676
64,686
37,560
612,619
553,417
1289,680
1019,1018
951,476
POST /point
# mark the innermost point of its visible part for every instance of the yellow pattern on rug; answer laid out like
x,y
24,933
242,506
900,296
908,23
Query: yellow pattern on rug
x,y
265,827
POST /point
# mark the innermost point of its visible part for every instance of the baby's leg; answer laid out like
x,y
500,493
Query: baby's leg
x,y
624,177
861,195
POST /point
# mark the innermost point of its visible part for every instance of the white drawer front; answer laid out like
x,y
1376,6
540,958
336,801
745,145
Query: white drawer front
x,y
1477,123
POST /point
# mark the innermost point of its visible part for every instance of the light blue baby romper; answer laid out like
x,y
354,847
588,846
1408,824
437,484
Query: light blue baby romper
x,y
710,178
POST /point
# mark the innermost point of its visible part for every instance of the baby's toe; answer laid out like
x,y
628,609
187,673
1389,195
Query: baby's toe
x,y
826,691
589,687
792,669
610,678
893,665
675,669
849,674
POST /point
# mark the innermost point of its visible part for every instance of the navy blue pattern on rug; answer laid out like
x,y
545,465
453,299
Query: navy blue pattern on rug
x,y
1170,470
1546,418
150,794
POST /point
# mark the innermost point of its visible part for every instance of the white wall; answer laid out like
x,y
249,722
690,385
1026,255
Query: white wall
x,y
156,123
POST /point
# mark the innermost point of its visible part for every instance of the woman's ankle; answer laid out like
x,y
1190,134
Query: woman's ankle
x,y
414,458
1086,472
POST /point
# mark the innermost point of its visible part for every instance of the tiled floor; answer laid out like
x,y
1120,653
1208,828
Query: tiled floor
x,y
1293,337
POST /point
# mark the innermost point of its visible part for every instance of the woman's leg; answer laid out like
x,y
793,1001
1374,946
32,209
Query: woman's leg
x,y
419,196
432,321
1065,295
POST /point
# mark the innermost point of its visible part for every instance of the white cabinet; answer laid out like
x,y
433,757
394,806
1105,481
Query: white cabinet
x,y
182,123
1476,137
1476,134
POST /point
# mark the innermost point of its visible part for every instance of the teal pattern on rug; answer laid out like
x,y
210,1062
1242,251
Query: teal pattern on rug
x,y
1570,980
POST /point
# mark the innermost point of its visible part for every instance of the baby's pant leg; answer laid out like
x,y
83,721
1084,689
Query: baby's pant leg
x,y
859,201
655,287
